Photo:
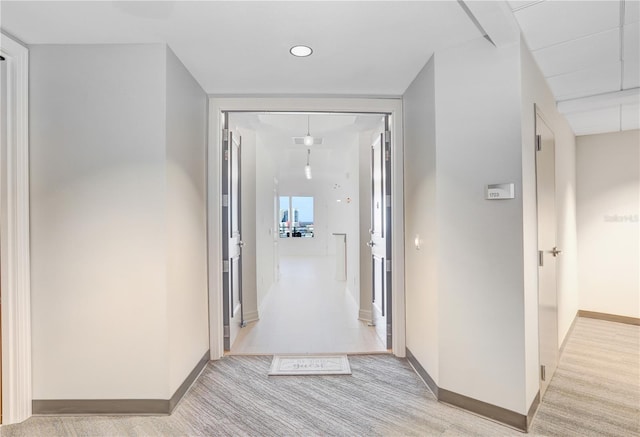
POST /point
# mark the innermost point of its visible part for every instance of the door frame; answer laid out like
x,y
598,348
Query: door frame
x,y
538,113
218,105
15,264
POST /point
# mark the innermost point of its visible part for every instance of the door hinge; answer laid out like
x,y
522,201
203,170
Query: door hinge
x,y
388,265
387,136
225,331
225,266
543,372
538,142
388,200
225,200
540,258
225,134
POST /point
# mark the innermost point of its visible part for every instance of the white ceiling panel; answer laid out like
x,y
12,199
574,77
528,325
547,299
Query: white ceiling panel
x,y
519,4
587,82
553,22
630,117
579,54
632,41
631,74
631,11
596,121
631,56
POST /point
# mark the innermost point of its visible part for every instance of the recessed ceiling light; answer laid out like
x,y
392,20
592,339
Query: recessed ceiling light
x,y
301,51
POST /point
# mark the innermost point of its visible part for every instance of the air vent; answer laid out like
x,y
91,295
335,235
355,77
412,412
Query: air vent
x,y
300,140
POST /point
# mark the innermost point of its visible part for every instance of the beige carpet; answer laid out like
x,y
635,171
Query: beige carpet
x,y
596,389
594,393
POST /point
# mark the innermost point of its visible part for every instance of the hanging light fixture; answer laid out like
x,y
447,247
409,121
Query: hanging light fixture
x,y
308,139
307,168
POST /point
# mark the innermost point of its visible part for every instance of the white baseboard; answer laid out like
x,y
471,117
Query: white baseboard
x,y
365,316
251,316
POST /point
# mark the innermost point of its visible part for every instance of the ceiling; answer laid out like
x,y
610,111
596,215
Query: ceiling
x,y
329,160
238,47
589,52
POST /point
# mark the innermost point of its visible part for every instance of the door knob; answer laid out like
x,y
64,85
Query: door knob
x,y
241,244
555,251
371,243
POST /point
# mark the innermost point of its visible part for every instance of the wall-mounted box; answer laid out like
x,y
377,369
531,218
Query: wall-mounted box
x,y
501,191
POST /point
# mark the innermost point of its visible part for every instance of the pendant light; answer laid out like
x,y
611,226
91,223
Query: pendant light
x,y
307,168
308,139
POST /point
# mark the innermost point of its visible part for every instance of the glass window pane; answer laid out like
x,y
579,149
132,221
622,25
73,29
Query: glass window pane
x,y
302,225
284,223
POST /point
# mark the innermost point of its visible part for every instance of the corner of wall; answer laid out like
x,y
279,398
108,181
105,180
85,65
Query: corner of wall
x,y
536,94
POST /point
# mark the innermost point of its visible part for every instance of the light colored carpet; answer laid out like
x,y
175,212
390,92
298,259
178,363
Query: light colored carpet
x,y
595,392
596,388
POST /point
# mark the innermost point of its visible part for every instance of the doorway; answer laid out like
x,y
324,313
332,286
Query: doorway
x,y
294,249
14,235
547,252
3,147
315,301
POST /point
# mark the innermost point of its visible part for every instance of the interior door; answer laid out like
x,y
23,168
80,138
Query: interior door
x,y
547,253
380,242
231,235
3,148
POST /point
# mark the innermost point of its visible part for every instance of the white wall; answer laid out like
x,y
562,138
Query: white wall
x,y
350,210
536,91
608,186
365,311
265,230
98,223
480,271
420,220
342,184
106,129
186,222
248,220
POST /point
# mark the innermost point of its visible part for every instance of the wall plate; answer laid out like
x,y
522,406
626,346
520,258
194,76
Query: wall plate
x,y
500,191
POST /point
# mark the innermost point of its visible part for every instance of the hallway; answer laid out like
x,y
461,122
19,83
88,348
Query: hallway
x,y
307,311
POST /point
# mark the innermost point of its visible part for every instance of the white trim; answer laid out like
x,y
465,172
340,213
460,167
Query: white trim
x,y
251,316
14,190
365,316
217,105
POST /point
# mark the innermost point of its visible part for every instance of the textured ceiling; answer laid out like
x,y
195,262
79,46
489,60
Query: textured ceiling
x,y
589,52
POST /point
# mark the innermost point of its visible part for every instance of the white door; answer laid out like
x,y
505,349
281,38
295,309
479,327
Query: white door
x,y
547,253
380,242
3,148
231,235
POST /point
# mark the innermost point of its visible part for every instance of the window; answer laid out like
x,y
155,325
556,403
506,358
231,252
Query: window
x,y
296,217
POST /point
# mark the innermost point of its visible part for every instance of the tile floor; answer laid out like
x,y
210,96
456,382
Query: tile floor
x,y
308,311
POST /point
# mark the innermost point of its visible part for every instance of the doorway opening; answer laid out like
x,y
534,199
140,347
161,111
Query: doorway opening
x,y
293,217
15,308
305,228
3,147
